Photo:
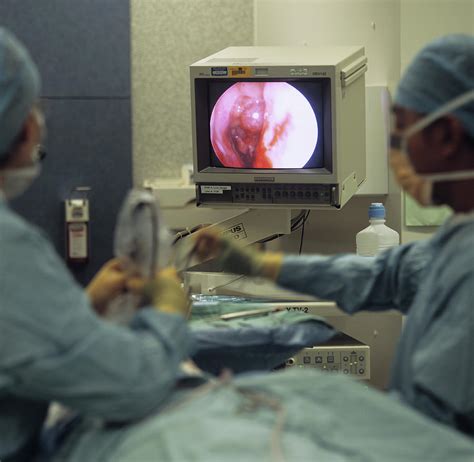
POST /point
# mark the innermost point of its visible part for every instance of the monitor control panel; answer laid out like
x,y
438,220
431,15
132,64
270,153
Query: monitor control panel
x,y
352,360
265,193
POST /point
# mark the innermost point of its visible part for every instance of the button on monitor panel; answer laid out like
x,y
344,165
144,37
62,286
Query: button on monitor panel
x,y
344,355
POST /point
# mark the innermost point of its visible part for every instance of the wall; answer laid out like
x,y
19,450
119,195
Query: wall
x,y
82,50
371,23
437,16
167,36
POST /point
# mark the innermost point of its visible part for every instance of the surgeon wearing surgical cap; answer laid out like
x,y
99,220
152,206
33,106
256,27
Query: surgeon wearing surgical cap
x,y
53,344
430,281
434,107
20,122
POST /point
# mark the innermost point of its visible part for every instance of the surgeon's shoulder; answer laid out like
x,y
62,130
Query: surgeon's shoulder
x,y
457,250
17,231
461,233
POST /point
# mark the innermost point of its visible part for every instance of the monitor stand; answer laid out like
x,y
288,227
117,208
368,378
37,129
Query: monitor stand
x,y
246,228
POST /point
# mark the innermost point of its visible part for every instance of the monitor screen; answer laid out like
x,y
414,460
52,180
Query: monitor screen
x,y
271,124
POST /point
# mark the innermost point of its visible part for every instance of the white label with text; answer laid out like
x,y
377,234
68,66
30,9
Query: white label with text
x,y
214,189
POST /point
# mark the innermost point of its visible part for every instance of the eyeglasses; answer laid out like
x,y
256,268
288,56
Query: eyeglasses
x,y
399,141
39,154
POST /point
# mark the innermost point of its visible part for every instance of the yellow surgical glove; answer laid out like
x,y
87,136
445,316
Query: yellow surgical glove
x,y
165,292
107,284
233,258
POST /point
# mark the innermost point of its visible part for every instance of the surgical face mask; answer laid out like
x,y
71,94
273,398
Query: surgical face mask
x,y
17,181
420,185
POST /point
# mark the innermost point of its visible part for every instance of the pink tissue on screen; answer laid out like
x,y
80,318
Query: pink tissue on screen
x,y
263,125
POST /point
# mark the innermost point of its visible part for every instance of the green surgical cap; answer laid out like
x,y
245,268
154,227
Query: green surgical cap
x,y
19,89
441,71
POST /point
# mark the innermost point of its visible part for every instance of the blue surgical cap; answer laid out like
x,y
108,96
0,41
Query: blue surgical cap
x,y
19,88
442,70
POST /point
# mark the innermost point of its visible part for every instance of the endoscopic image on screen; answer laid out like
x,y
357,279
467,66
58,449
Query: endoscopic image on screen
x,y
265,125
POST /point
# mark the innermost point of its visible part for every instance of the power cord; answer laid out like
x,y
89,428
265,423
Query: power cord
x,y
186,232
296,224
302,230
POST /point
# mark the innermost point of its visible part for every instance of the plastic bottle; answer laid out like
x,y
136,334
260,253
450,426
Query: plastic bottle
x,y
377,236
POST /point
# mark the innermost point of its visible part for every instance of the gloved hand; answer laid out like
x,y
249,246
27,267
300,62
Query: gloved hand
x,y
209,243
107,284
165,292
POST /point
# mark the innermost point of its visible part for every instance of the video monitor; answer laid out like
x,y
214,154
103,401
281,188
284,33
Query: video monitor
x,y
278,126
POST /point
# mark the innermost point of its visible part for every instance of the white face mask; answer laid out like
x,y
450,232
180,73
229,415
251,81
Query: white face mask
x,y
422,183
17,180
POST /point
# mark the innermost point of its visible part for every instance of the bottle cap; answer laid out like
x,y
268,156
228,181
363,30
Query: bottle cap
x,y
376,211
